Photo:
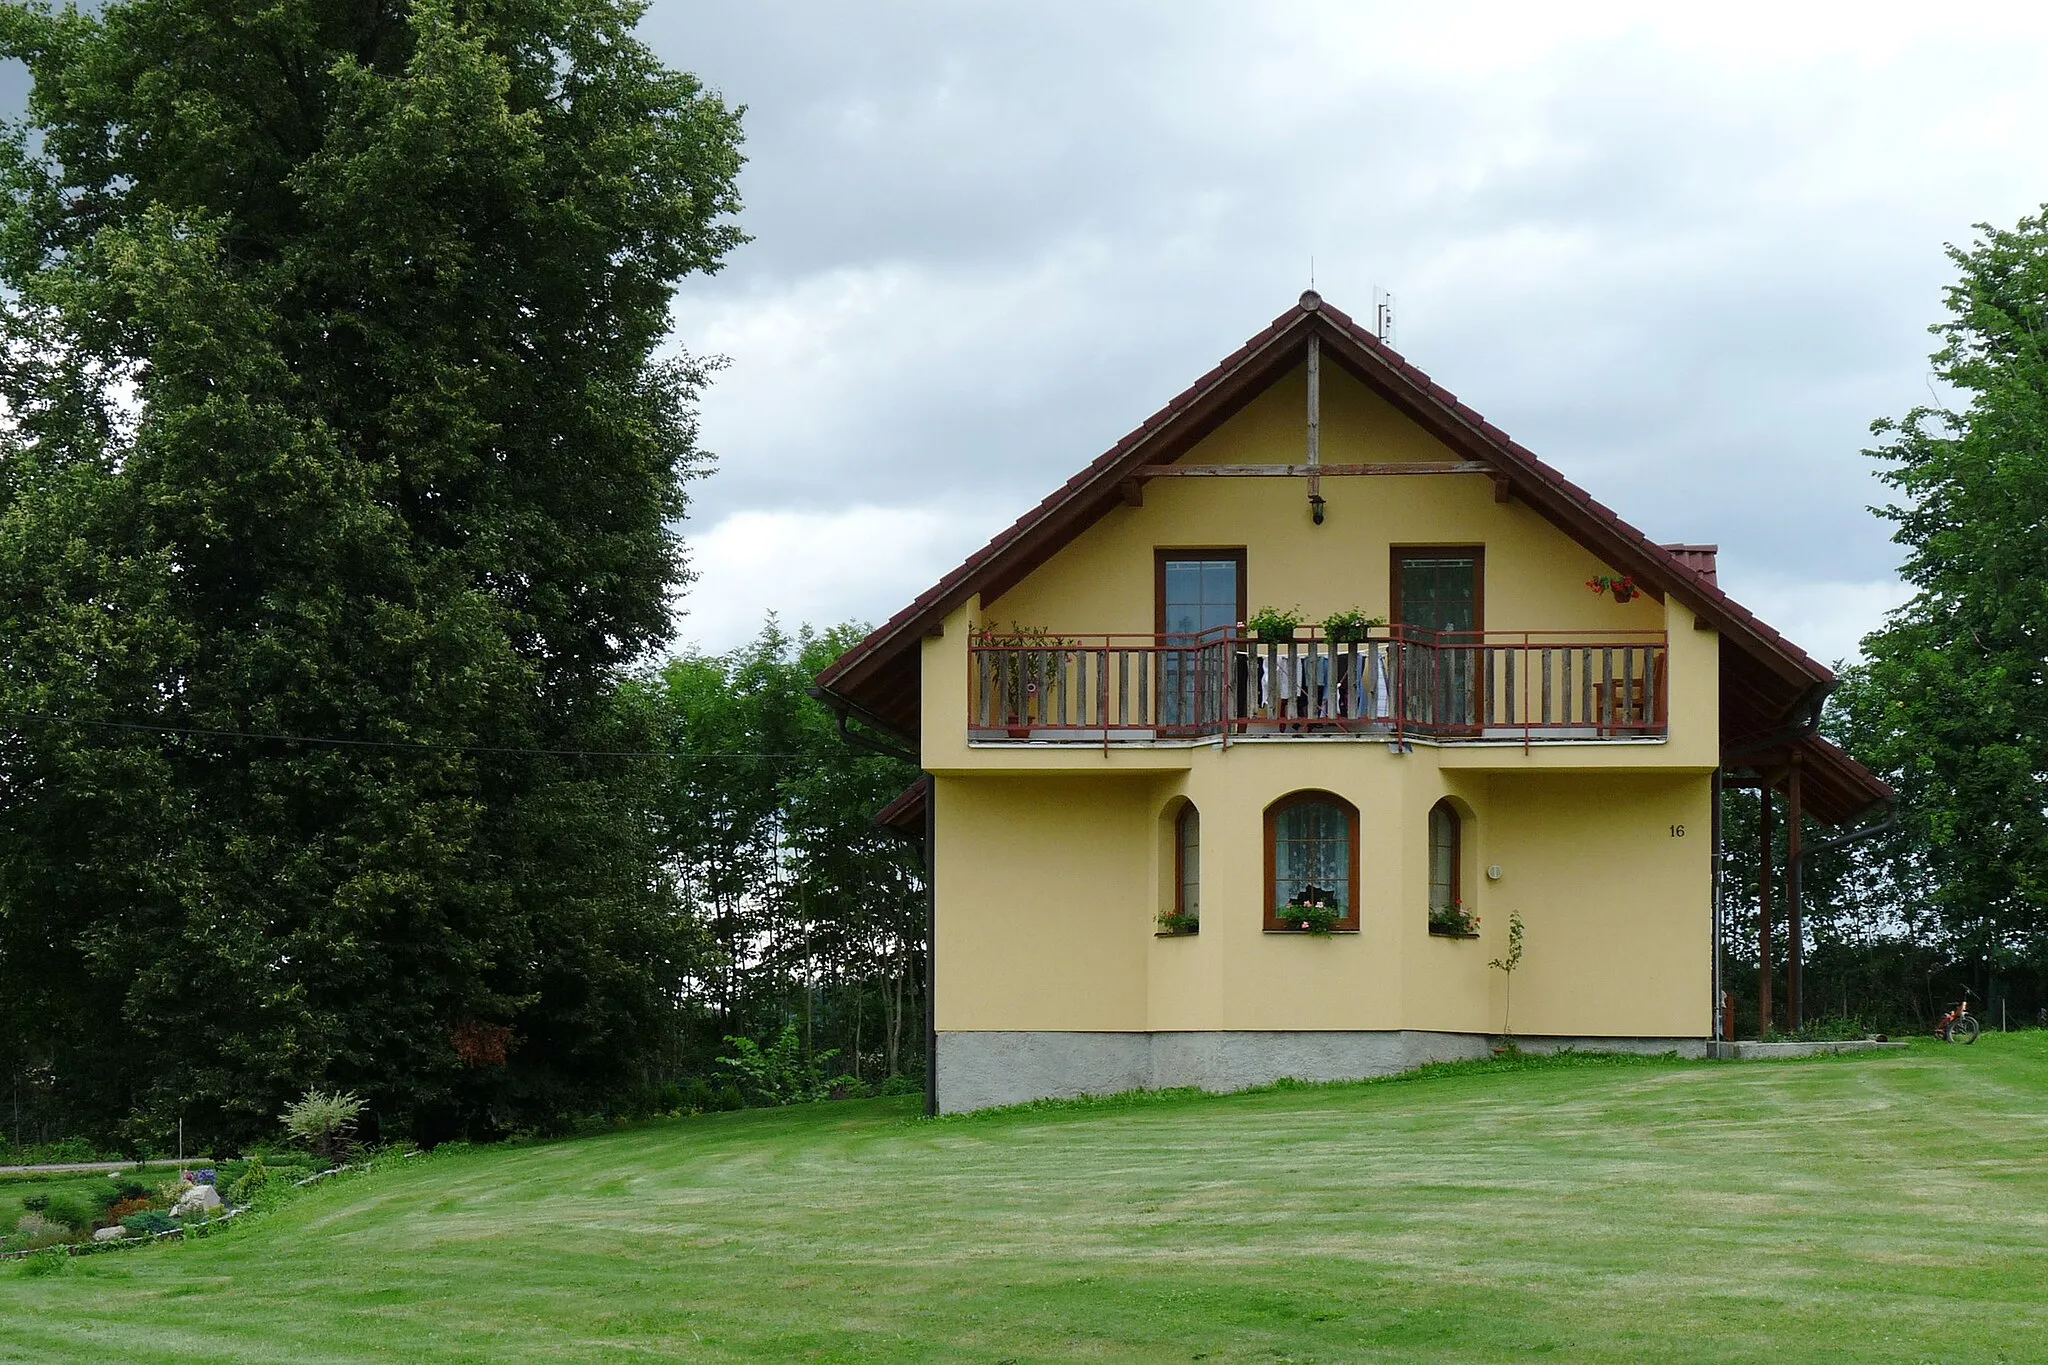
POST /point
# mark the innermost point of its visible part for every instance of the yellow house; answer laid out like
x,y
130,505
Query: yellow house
x,y
1177,838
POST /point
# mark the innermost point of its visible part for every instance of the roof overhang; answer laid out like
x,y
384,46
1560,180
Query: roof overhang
x,y
1765,678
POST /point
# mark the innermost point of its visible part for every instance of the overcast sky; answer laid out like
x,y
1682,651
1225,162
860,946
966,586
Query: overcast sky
x,y
1686,261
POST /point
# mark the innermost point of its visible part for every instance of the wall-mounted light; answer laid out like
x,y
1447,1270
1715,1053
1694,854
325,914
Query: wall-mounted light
x,y
1316,502
1493,873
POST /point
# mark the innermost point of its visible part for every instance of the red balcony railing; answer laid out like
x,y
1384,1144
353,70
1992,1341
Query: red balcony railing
x,y
1400,681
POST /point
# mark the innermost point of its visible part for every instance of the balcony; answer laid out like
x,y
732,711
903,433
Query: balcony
x,y
1398,683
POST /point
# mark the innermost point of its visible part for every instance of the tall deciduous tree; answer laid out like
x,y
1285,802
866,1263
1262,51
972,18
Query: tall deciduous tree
x,y
330,337
1952,704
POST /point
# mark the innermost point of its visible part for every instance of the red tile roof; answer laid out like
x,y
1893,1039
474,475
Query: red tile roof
x,y
1766,680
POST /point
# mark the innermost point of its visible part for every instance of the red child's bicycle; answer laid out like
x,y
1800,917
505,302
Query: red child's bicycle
x,y
1958,1025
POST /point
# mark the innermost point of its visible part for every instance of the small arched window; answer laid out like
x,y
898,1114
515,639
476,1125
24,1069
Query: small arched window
x,y
1311,855
1187,867
1447,913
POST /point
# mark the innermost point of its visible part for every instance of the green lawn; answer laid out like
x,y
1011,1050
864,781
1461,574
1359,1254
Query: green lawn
x,y
1887,1208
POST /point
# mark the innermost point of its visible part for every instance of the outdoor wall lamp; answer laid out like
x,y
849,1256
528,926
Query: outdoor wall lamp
x,y
1316,502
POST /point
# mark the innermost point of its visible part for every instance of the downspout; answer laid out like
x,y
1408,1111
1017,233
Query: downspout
x,y
1854,836
931,948
1719,1013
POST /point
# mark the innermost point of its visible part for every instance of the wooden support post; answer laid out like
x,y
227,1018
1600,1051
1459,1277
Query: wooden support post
x,y
1795,948
1763,911
1315,420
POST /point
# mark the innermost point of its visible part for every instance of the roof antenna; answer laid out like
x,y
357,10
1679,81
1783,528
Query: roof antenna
x,y
1311,272
1383,315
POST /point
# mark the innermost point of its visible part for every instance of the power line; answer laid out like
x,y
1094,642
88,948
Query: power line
x,y
414,746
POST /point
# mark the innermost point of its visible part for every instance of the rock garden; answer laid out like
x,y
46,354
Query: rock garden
x,y
38,1211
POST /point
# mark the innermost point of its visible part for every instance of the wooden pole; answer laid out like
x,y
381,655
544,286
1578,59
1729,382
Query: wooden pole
x,y
1795,984
1763,912
1315,416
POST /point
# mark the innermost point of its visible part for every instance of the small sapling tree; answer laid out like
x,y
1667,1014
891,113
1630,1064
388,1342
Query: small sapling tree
x,y
1506,966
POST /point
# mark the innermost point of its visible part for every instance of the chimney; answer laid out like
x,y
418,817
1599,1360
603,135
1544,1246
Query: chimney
x,y
1698,558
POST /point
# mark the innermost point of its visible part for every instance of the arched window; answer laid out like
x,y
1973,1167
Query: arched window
x,y
1187,867
1447,913
1311,855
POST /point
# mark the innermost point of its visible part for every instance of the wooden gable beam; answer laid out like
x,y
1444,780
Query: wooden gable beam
x,y
1298,471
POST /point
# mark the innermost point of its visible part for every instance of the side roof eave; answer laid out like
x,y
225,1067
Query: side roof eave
x,y
1782,669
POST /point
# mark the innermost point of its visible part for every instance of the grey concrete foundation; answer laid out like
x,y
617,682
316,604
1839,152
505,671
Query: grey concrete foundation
x,y
982,1070
1757,1052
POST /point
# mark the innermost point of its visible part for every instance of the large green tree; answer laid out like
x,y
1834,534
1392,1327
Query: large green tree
x,y
340,486
1952,704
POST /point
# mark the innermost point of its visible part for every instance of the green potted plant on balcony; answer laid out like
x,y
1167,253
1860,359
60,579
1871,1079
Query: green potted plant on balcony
x,y
1453,921
1313,910
1029,648
1274,625
1350,626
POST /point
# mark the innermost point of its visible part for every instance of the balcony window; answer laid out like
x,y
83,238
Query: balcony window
x,y
1200,593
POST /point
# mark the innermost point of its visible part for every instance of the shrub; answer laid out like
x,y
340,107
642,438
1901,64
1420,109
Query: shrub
x,y
255,1175
730,1098
34,1226
72,1210
323,1123
699,1096
126,1207
148,1222
49,1262
779,1073
129,1187
35,1203
900,1084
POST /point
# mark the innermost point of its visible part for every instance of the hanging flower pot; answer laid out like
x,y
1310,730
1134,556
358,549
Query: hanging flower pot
x,y
1622,589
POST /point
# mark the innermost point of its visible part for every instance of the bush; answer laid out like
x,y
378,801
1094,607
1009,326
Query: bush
x,y
35,1203
255,1175
50,1153
729,1098
323,1123
698,1096
148,1222
129,1187
73,1211
903,1085
125,1208
779,1073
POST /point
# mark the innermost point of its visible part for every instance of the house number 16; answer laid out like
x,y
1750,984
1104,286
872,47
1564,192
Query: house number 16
x,y
1678,831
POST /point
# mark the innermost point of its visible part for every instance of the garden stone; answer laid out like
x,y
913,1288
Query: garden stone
x,y
113,1234
198,1199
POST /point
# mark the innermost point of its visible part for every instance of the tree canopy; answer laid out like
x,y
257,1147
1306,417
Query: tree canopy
x,y
340,487
1951,704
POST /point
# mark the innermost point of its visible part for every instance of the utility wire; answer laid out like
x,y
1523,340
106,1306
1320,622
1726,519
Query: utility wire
x,y
416,746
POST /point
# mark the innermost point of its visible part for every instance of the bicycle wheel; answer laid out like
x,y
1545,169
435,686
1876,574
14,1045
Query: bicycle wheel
x,y
1963,1030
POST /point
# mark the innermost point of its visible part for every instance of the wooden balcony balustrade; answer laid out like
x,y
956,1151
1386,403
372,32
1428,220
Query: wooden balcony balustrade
x,y
1492,685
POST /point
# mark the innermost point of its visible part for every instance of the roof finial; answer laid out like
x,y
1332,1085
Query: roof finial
x,y
1310,300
